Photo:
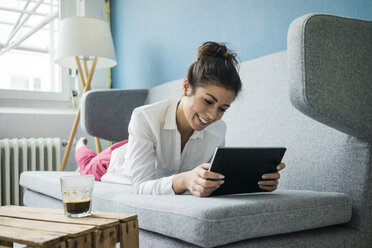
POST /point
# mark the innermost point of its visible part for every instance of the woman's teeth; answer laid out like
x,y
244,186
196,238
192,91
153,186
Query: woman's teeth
x,y
203,120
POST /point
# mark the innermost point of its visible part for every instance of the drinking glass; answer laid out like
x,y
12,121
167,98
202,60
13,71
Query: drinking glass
x,y
77,195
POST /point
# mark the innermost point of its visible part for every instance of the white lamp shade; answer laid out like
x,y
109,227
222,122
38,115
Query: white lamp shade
x,y
83,36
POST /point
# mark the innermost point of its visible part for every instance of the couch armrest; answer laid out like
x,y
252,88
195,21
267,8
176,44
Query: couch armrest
x,y
106,113
330,71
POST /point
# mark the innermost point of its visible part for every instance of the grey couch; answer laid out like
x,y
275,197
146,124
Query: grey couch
x,y
315,98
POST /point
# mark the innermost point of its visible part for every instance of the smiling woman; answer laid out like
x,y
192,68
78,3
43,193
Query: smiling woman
x,y
172,142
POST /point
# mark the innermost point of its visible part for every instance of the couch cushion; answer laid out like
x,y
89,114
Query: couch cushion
x,y
210,221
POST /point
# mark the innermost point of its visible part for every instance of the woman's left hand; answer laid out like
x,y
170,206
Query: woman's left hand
x,y
271,179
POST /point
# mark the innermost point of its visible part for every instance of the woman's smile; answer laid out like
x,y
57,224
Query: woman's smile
x,y
203,121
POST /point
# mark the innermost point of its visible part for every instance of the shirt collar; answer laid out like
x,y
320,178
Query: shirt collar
x,y
170,120
198,134
170,116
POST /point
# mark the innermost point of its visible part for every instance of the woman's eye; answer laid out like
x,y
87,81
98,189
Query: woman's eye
x,y
207,101
223,110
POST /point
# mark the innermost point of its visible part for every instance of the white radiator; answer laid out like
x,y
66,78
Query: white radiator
x,y
18,155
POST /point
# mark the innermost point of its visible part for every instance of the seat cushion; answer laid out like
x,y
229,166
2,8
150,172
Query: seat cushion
x,y
212,221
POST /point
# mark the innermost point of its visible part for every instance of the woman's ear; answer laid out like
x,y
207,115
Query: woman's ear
x,y
186,87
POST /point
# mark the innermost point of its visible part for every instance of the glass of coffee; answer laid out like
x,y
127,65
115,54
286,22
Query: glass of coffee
x,y
77,195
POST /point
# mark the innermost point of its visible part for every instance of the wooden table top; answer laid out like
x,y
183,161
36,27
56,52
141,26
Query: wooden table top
x,y
44,226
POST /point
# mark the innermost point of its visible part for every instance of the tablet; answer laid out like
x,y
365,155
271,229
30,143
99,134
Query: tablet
x,y
243,167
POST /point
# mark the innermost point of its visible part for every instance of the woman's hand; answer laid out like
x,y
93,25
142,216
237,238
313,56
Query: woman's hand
x,y
271,179
199,181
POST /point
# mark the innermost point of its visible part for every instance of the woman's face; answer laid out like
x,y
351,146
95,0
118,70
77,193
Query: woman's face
x,y
206,105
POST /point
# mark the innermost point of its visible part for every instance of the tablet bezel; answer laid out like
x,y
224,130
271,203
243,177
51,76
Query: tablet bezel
x,y
243,179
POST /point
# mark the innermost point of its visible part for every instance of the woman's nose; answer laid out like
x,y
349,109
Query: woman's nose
x,y
212,114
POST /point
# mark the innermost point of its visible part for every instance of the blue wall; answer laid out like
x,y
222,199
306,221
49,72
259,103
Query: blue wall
x,y
156,40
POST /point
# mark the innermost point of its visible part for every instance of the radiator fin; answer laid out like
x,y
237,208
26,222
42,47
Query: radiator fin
x,y
18,155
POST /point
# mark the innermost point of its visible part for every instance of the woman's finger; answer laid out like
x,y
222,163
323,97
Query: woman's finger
x,y
206,183
200,191
280,166
206,174
274,176
268,188
205,166
268,183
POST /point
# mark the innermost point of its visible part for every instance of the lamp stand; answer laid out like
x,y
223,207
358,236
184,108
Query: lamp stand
x,y
86,87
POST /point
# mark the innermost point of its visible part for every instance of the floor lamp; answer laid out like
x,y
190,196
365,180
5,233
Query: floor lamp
x,y
86,41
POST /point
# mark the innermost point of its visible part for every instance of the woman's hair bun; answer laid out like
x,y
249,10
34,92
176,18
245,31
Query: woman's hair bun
x,y
217,65
214,49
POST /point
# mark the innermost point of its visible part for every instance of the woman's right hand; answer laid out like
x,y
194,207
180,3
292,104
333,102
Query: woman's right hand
x,y
200,181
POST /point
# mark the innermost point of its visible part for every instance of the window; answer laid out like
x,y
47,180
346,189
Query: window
x,y
28,32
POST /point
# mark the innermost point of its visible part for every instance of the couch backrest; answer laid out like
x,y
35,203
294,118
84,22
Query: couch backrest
x,y
165,91
334,156
330,78
106,113
318,157
330,63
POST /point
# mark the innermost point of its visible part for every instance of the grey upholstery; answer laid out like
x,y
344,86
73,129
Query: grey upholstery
x,y
330,63
328,149
105,122
330,60
212,221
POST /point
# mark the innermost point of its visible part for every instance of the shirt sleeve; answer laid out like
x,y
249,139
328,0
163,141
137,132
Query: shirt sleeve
x,y
141,158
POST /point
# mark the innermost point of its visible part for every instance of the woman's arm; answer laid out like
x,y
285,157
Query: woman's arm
x,y
140,158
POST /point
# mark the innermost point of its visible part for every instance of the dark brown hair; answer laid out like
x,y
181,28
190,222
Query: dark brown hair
x,y
215,64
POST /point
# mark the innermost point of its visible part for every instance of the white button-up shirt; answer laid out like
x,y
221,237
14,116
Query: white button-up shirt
x,y
153,153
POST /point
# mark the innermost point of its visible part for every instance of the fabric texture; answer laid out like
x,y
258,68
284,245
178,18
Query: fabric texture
x,y
318,157
330,80
153,154
316,238
92,164
212,221
109,123
165,91
33,198
330,71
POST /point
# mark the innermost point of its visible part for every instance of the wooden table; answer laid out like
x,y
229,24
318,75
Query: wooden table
x,y
44,227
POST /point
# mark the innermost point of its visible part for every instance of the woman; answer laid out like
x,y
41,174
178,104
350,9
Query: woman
x,y
171,142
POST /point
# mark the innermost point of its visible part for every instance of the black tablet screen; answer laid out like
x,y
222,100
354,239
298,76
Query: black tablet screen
x,y
243,167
